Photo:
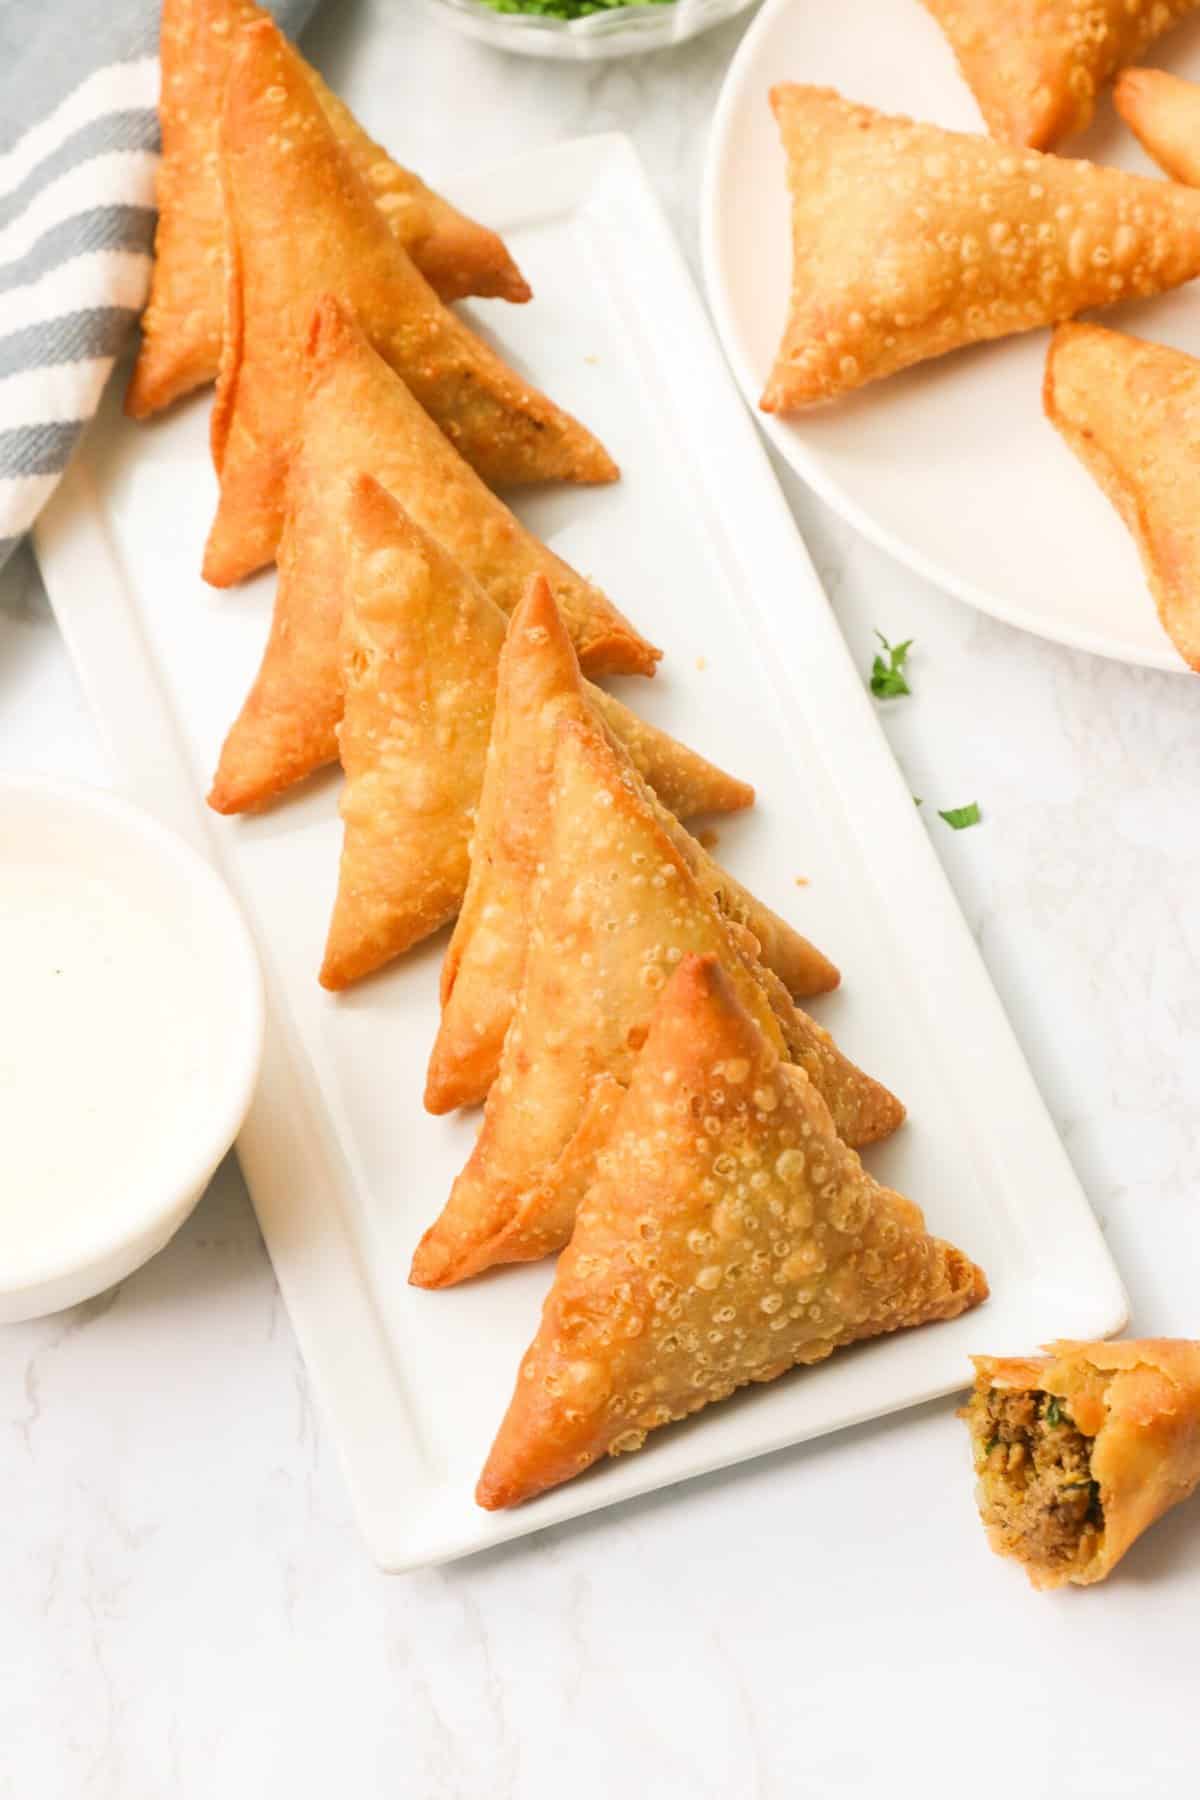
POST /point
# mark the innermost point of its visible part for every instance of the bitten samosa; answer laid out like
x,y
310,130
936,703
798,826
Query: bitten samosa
x,y
615,908
909,241
1036,66
704,1259
301,222
181,327
1131,413
1079,1451
539,685
358,417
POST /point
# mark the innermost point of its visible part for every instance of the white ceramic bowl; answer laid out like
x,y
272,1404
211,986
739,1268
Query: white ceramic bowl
x,y
131,1031
596,37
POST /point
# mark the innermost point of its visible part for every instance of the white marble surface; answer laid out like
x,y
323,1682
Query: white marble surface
x,y
186,1611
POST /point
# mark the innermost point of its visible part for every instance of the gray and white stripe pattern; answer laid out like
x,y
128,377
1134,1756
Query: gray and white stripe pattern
x,y
78,153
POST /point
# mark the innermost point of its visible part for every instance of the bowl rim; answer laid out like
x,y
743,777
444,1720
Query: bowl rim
x,y
227,1097
590,24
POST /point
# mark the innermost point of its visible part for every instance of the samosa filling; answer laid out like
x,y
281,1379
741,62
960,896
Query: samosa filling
x,y
1035,1475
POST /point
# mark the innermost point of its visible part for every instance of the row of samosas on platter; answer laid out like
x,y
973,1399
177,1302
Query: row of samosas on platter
x,y
655,1100
423,637
910,241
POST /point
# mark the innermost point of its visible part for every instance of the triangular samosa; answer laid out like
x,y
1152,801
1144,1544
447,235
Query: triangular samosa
x,y
728,1237
615,908
359,417
1080,1451
300,222
181,327
909,241
420,642
1131,413
420,649
1036,66
540,684
1163,113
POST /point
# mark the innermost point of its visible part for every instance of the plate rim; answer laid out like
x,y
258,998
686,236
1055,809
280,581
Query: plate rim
x,y
793,449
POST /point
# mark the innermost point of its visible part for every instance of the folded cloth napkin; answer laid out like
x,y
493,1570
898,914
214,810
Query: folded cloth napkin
x,y
78,152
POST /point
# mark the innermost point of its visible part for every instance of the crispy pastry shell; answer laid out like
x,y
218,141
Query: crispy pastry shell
x,y
910,241
1131,413
1036,66
727,1237
615,907
301,222
181,328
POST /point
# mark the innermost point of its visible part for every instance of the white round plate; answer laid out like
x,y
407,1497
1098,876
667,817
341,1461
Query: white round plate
x,y
951,466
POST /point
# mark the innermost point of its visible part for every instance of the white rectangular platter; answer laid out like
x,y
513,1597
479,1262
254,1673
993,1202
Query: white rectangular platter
x,y
344,1166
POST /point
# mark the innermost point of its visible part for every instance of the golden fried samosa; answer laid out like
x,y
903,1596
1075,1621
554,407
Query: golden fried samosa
x,y
1080,1451
1131,413
615,908
360,417
420,650
300,222
181,327
420,642
1163,113
702,1260
909,241
1036,66
540,684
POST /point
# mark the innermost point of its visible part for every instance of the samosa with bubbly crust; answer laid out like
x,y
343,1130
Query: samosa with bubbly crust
x,y
420,642
1131,413
703,1260
539,685
909,241
615,908
1036,66
1080,1451
420,648
1163,113
301,222
359,417
181,327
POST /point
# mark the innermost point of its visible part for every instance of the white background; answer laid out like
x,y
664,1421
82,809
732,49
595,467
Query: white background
x,y
185,1609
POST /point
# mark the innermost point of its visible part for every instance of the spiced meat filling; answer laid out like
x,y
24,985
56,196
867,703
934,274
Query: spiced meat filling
x,y
1035,1474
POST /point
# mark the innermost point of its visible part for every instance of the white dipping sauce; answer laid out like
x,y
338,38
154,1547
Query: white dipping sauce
x,y
104,1023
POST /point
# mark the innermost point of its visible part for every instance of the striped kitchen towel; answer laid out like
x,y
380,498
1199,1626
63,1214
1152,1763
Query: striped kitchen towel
x,y
78,152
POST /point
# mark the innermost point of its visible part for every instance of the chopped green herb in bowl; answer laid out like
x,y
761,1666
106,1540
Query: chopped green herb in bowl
x,y
564,9
584,29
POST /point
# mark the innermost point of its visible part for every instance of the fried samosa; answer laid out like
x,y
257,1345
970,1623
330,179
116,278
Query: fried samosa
x,y
1131,413
615,907
420,642
702,1260
1036,66
300,222
359,417
909,241
1080,1451
420,648
1163,113
181,327
539,685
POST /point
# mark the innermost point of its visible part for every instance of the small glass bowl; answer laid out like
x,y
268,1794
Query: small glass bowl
x,y
617,31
